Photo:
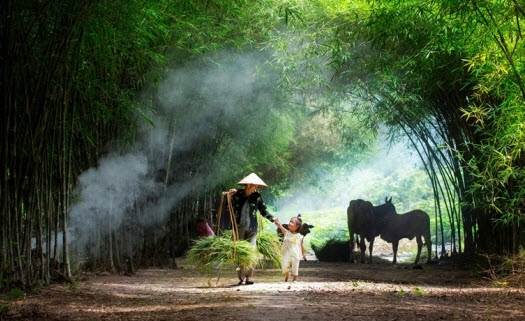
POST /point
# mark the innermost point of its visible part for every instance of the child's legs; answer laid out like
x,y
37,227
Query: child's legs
x,y
295,267
286,264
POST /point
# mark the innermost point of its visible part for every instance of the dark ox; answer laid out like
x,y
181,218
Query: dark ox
x,y
393,227
362,224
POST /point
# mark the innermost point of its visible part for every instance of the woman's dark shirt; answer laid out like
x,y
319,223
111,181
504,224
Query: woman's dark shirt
x,y
255,202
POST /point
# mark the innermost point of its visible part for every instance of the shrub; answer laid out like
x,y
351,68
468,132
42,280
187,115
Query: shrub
x,y
330,244
3,310
332,251
15,294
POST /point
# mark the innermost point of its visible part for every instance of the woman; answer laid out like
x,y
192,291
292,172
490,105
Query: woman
x,y
246,202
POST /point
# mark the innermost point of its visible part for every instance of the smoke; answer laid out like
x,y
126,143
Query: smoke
x,y
209,115
109,190
392,170
214,120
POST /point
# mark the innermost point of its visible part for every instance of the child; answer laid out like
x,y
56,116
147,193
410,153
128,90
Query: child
x,y
203,228
293,248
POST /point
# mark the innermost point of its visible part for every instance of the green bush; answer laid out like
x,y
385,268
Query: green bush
x,y
15,294
330,244
3,310
321,235
332,251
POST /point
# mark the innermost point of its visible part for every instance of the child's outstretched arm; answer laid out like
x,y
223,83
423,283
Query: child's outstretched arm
x,y
280,226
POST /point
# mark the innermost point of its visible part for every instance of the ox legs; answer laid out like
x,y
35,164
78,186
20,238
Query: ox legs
x,y
394,247
362,247
370,249
428,243
351,247
429,251
419,246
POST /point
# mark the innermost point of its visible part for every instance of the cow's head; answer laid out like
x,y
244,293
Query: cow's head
x,y
385,210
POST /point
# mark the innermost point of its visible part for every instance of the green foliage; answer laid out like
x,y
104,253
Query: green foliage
x,y
324,234
329,237
73,286
447,74
127,45
269,246
450,75
15,294
333,250
4,308
211,254
402,293
418,291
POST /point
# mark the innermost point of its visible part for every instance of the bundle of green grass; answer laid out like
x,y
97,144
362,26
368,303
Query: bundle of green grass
x,y
269,248
212,254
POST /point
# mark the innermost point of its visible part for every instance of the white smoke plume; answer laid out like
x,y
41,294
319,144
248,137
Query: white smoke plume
x,y
223,94
373,179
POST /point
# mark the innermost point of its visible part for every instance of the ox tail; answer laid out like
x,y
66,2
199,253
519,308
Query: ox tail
x,y
426,234
428,238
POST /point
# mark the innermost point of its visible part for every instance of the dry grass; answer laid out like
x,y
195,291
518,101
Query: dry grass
x,y
507,271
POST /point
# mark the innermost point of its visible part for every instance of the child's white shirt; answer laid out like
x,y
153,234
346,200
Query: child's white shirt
x,y
292,245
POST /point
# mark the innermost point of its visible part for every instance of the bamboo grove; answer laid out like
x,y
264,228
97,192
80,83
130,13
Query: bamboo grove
x,y
71,71
79,83
449,77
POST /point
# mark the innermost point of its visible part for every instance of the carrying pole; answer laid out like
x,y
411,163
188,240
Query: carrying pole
x,y
231,212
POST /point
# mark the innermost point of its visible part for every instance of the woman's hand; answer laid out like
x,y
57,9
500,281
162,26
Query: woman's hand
x,y
230,191
276,222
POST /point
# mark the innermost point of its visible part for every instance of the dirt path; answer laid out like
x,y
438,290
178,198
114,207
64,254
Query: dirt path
x,y
326,292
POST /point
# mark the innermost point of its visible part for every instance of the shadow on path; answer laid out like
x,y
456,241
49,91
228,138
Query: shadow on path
x,y
326,291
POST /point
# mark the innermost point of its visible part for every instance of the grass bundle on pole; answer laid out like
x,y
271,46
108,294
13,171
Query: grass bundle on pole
x,y
269,247
211,254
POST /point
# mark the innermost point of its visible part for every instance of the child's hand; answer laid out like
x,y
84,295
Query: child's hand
x,y
276,221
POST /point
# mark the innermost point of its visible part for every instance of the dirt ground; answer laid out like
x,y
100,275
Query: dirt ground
x,y
326,291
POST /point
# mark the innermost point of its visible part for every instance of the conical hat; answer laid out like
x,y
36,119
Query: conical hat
x,y
253,179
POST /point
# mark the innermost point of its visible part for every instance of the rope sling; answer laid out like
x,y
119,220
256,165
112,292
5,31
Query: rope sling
x,y
233,219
